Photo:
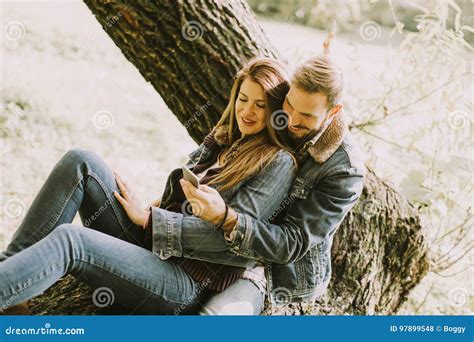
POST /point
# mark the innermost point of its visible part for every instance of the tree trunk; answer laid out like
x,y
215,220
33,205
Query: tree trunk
x,y
189,51
379,254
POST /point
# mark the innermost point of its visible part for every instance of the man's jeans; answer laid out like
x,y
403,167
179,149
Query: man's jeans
x,y
107,253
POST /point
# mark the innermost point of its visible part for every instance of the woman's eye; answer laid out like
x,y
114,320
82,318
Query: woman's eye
x,y
243,100
260,106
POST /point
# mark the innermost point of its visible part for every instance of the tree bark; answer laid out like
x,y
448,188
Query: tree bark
x,y
189,51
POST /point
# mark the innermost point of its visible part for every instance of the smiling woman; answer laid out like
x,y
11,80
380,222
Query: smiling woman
x,y
241,152
247,122
250,107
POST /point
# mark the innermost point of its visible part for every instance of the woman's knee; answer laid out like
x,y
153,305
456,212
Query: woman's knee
x,y
79,161
77,156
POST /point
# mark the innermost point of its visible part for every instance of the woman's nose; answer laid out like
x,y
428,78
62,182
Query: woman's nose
x,y
248,109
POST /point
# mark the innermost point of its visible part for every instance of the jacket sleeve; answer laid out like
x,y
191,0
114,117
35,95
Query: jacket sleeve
x,y
176,235
310,218
194,155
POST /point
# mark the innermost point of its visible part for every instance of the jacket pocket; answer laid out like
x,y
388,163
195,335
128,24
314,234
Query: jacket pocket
x,y
315,266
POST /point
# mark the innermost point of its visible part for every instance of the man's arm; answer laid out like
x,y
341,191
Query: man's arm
x,y
307,221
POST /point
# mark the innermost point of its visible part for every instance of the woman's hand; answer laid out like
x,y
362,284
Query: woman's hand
x,y
206,202
130,202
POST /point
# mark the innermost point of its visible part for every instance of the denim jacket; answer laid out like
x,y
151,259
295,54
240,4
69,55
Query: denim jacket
x,y
257,197
295,244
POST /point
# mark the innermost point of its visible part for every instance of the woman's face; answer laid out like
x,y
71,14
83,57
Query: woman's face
x,y
250,108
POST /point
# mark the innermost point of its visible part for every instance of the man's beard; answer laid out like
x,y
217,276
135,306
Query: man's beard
x,y
298,142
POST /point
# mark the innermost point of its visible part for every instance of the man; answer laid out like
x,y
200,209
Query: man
x,y
295,244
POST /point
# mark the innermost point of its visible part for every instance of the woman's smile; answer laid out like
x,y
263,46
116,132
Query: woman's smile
x,y
250,107
247,121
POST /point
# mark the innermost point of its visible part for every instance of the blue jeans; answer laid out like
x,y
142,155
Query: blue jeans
x,y
107,253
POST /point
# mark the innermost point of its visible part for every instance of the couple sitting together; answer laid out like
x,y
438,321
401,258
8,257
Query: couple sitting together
x,y
277,175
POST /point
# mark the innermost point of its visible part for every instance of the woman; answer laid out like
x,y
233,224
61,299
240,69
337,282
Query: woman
x,y
243,149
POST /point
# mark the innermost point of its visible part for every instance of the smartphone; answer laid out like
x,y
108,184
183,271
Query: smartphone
x,y
190,176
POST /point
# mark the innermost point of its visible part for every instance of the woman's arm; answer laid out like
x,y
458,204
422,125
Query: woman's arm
x,y
194,155
130,202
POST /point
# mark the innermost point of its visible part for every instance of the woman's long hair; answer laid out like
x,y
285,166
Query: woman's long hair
x,y
244,156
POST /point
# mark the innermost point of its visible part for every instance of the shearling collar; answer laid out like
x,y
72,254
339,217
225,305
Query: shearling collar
x,y
330,140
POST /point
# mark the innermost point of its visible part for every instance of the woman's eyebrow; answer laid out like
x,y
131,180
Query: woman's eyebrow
x,y
258,100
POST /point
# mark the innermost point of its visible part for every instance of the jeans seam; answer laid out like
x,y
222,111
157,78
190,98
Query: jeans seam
x,y
109,197
63,206
55,266
58,264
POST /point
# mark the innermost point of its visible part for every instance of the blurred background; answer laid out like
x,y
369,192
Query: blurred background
x,y
408,67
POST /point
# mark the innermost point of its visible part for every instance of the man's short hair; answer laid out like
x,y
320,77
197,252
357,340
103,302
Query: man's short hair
x,y
319,74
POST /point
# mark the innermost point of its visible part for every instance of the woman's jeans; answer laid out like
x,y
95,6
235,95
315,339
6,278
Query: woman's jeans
x,y
107,253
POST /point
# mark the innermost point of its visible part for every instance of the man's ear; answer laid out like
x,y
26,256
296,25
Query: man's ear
x,y
334,111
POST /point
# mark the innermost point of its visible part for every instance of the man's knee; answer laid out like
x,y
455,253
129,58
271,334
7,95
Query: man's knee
x,y
217,308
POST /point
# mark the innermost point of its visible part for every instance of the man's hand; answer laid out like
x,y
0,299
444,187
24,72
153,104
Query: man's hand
x,y
130,202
